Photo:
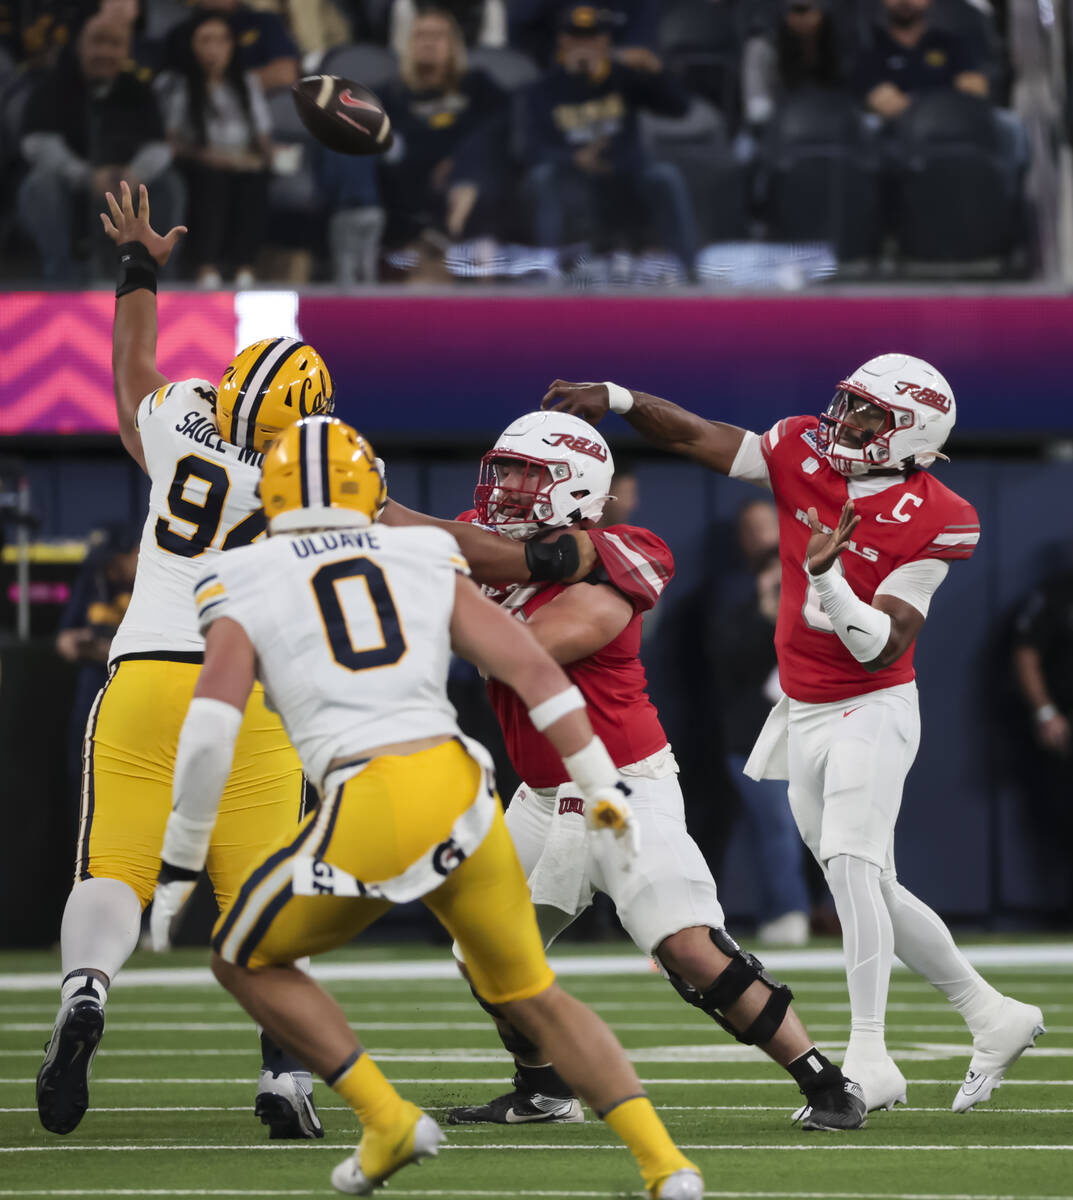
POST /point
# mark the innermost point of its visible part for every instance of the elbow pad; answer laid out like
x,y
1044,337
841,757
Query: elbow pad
x,y
862,629
551,562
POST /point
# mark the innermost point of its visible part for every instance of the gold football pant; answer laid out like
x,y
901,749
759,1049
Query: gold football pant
x,y
374,826
127,764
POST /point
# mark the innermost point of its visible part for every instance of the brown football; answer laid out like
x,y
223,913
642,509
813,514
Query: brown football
x,y
342,115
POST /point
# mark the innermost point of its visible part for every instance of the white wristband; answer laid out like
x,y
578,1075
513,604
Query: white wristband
x,y
591,768
202,765
547,712
862,629
1045,713
619,399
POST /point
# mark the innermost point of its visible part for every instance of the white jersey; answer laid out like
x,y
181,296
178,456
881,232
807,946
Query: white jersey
x,y
352,633
202,499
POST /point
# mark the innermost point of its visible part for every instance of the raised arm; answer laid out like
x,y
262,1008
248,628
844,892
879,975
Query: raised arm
x,y
497,560
711,443
134,331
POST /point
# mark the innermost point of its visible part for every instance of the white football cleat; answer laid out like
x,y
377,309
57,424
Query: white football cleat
x,y
681,1185
882,1083
348,1177
996,1049
285,1104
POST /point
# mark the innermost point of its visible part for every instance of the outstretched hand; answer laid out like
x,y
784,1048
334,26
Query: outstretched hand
x,y
824,547
586,400
127,226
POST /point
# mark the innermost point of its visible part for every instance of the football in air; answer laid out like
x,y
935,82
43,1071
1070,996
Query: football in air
x,y
342,115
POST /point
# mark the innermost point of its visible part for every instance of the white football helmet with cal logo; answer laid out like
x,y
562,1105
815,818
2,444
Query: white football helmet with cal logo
x,y
916,413
547,470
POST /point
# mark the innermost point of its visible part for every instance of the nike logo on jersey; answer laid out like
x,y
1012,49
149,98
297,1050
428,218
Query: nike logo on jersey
x,y
852,710
887,520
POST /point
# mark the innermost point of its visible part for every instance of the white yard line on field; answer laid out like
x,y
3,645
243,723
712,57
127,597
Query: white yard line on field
x,y
451,1081
516,1147
1056,954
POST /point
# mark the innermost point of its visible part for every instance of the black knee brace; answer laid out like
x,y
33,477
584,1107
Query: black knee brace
x,y
743,970
515,1042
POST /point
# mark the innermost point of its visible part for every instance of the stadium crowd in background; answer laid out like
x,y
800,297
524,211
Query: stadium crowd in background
x,y
576,142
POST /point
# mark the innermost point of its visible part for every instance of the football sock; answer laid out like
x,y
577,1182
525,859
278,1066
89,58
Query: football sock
x,y
545,1080
924,944
101,923
813,1072
364,1087
868,944
636,1122
84,982
277,1060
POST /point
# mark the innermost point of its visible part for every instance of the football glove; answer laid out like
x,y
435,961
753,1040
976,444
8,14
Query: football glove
x,y
608,811
169,899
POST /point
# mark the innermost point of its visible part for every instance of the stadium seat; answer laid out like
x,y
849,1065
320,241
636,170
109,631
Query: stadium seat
x,y
509,68
701,43
363,62
822,175
698,145
959,182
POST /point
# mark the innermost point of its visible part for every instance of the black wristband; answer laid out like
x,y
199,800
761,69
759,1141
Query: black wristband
x,y
551,562
137,269
170,874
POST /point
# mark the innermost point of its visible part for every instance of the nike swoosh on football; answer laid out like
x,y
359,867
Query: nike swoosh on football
x,y
852,710
353,102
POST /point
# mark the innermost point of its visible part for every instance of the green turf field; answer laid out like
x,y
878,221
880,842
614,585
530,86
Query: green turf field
x,y
172,1092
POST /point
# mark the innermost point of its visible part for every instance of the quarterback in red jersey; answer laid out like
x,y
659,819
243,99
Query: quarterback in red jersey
x,y
550,471
866,536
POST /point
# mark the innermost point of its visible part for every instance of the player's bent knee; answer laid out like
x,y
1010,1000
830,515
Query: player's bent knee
x,y
741,972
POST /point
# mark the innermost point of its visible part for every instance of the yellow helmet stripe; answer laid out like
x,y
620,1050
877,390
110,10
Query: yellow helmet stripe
x,y
252,392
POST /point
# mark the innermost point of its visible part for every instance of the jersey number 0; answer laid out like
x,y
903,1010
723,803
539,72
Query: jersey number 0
x,y
359,658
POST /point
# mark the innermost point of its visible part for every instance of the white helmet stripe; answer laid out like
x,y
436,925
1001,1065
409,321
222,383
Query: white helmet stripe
x,y
314,463
249,399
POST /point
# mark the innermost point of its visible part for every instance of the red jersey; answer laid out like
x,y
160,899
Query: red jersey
x,y
639,565
915,518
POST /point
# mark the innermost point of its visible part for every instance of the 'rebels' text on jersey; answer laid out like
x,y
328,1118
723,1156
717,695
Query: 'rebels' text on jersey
x,y
202,499
915,518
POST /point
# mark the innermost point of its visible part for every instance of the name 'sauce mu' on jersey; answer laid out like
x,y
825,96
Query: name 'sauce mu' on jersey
x,y
915,518
352,633
202,499
640,565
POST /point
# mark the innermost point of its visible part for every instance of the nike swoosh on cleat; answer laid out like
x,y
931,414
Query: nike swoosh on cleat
x,y
513,1117
972,1085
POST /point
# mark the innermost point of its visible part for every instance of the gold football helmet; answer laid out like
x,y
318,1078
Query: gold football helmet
x,y
268,386
319,473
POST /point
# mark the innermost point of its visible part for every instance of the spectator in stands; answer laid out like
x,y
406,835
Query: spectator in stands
x,y
584,142
908,56
441,179
625,495
534,25
98,600
482,22
803,52
347,186
218,125
88,124
749,686
264,45
315,25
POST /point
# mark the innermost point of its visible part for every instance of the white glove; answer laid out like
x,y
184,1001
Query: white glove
x,y
381,466
168,902
608,812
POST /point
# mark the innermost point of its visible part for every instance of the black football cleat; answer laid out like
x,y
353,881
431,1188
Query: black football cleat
x,y
63,1081
519,1108
836,1108
286,1106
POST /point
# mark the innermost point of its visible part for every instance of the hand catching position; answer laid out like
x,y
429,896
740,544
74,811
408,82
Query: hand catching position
x,y
127,226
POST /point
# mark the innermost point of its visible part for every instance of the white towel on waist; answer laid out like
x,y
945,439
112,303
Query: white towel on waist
x,y
560,876
770,757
